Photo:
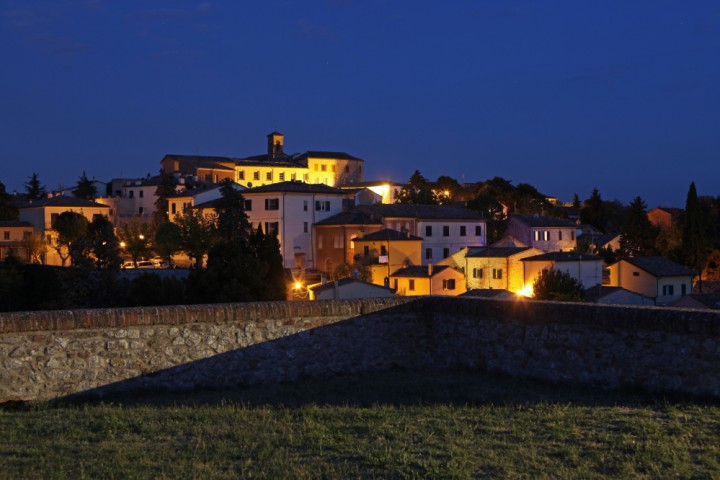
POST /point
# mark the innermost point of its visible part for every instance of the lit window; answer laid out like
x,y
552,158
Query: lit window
x,y
268,176
537,235
256,175
546,235
281,176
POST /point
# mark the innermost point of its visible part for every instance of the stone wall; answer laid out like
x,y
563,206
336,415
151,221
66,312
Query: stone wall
x,y
57,353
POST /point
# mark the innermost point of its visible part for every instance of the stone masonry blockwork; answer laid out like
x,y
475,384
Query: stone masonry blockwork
x,y
52,354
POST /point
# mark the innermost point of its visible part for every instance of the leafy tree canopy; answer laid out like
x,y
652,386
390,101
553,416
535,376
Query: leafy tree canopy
x,y
418,191
557,285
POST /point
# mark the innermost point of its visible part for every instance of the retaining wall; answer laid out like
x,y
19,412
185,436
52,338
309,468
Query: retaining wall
x,y
57,353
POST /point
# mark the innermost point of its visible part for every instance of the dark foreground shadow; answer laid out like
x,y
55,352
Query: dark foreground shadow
x,y
398,388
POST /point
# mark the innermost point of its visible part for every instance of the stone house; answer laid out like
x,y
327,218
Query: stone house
x,y
428,280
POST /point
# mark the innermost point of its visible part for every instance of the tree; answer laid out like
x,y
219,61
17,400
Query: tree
x,y
8,211
34,246
135,240
197,233
593,211
167,241
72,240
576,201
637,235
34,189
232,221
557,285
166,188
445,189
267,248
85,188
695,242
418,191
487,205
104,244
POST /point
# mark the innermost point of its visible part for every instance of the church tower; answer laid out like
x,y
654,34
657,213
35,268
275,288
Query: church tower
x,y
275,146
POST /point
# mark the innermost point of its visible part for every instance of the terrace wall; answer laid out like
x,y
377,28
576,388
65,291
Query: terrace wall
x,y
57,353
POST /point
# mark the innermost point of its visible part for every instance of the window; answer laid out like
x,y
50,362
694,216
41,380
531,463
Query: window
x,y
536,235
572,235
477,273
428,230
140,211
449,284
428,254
332,167
256,175
463,230
323,168
322,205
173,208
636,274
338,241
141,193
241,175
305,205
131,194
316,167
478,230
293,176
305,227
497,273
383,250
559,234
272,204
411,284
347,170
281,176
446,252
668,289
305,177
395,282
26,235
446,230
546,235
271,228
268,176
366,250
6,235
53,219
248,205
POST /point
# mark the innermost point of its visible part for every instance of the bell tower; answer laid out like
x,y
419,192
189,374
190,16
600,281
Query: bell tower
x,y
275,145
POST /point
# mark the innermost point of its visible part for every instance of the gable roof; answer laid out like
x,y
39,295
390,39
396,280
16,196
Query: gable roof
x,y
387,234
424,212
352,217
593,294
497,293
296,187
321,154
62,201
494,252
345,281
418,271
508,241
659,266
563,257
541,221
709,300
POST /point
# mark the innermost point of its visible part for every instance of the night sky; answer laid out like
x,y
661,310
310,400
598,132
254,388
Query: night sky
x,y
565,95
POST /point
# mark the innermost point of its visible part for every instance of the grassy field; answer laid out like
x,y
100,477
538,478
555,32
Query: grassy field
x,y
394,425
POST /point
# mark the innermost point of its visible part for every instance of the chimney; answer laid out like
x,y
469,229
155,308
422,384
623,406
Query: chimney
x,y
430,269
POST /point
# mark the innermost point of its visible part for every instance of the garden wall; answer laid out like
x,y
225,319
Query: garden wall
x,y
57,353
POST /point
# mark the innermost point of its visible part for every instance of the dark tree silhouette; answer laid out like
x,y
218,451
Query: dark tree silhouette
x,y
557,285
34,189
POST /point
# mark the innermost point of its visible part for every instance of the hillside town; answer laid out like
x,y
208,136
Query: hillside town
x,y
311,226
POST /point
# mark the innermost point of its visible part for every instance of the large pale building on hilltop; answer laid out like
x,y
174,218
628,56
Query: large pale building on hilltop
x,y
334,169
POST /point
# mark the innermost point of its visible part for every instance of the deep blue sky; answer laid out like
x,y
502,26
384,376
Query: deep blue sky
x,y
565,95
